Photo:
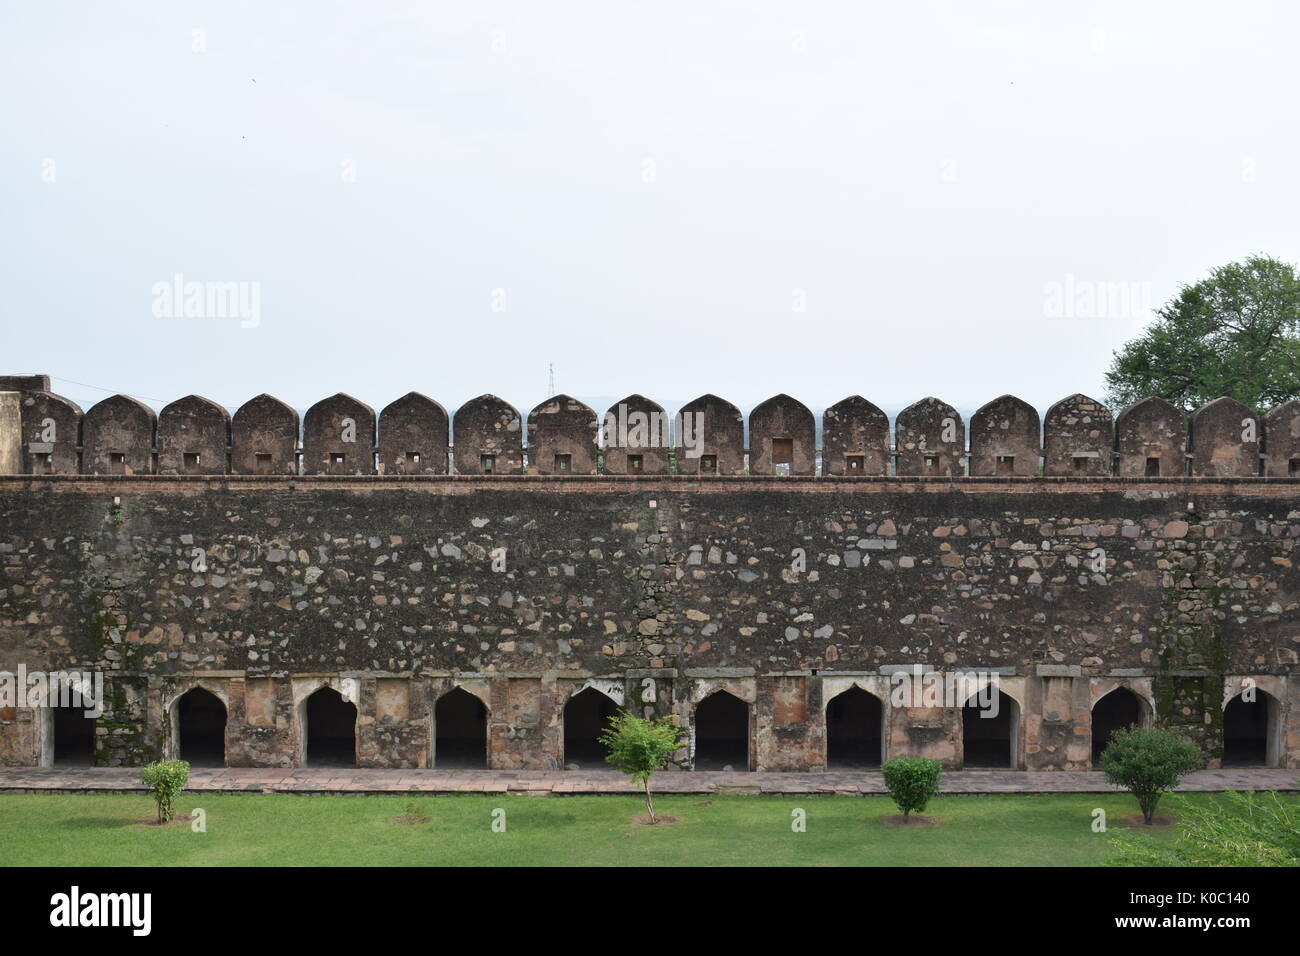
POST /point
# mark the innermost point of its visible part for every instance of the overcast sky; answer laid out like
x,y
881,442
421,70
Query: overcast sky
x,y
958,199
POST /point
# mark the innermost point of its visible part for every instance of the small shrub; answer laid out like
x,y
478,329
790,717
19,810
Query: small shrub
x,y
1148,763
166,780
912,781
639,748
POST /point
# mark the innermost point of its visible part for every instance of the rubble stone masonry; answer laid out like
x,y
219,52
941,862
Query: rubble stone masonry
x,y
656,590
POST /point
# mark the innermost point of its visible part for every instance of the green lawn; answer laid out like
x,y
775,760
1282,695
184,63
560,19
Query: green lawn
x,y
279,829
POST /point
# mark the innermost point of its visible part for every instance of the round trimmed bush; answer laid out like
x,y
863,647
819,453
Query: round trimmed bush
x,y
912,781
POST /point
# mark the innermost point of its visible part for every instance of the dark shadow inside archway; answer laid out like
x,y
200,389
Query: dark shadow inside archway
x,y
331,730
722,733
74,737
586,717
201,728
853,727
461,736
1245,731
1119,709
987,740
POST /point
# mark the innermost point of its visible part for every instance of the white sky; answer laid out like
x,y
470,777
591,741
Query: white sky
x,y
922,172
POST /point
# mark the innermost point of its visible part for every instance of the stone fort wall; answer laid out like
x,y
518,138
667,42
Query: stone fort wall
x,y
527,590
657,590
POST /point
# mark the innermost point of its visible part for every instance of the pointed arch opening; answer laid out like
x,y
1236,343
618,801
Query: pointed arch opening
x,y
1115,711
1250,730
460,731
722,733
201,728
331,729
854,730
990,725
586,716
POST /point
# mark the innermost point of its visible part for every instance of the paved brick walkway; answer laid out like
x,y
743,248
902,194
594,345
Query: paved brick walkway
x,y
324,780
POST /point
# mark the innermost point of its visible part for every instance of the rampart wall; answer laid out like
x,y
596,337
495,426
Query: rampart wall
x,y
659,592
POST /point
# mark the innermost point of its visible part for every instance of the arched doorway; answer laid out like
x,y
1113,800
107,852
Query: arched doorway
x,y
1250,731
854,730
586,717
989,727
331,729
722,733
1116,710
460,731
201,728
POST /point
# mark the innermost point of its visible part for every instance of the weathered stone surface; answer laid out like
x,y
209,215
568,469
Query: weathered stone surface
x,y
51,432
717,430
393,584
1225,439
1078,438
11,433
636,437
1151,438
777,592
562,437
338,437
489,437
413,437
264,438
117,437
193,437
1004,438
930,438
855,438
782,438
24,383
1282,440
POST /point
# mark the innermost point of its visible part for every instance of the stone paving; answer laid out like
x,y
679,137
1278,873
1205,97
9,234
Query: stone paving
x,y
339,780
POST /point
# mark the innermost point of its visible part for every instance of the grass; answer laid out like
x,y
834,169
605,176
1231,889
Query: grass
x,y
283,829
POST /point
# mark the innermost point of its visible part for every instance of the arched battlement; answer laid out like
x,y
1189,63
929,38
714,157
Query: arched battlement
x,y
636,437
1005,438
1225,439
1078,438
51,434
562,437
193,437
782,438
930,438
855,438
415,435
117,437
1151,440
1282,440
338,437
489,437
709,433
264,438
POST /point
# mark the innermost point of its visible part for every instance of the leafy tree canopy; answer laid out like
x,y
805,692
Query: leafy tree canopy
x,y
1235,333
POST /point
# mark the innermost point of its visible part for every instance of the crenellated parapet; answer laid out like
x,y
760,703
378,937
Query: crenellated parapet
x,y
415,435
